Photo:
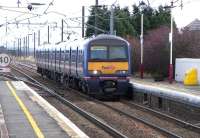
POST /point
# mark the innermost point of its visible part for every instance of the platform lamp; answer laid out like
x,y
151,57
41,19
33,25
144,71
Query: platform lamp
x,y
170,68
171,44
142,5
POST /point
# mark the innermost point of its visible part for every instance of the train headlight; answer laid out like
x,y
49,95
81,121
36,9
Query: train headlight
x,y
95,72
122,72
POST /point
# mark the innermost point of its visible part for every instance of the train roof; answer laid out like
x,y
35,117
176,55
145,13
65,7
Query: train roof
x,y
107,37
80,42
63,44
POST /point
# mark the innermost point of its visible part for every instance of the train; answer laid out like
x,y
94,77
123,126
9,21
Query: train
x,y
99,65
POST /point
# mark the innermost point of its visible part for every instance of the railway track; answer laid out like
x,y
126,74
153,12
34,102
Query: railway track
x,y
167,132
163,116
113,132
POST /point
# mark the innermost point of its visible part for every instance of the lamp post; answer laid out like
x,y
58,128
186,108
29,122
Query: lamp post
x,y
170,75
142,47
142,4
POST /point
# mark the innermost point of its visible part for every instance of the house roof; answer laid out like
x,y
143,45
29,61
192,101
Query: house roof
x,y
194,25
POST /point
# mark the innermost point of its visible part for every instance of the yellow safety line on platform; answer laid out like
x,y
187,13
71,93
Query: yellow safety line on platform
x,y
33,123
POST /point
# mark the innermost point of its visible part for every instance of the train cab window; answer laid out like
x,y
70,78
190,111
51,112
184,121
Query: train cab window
x,y
109,52
98,52
117,52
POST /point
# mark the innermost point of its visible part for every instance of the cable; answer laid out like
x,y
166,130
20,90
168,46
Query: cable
x,y
18,11
16,17
99,29
1,6
51,3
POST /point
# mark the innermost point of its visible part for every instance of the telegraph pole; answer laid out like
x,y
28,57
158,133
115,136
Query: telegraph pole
x,y
34,43
111,20
24,47
38,37
83,21
95,20
14,52
18,48
48,35
6,25
62,30
28,45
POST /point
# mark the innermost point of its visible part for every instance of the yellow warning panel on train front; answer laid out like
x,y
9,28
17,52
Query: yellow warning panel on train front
x,y
191,77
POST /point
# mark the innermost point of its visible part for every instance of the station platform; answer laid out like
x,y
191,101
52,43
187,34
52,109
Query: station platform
x,y
25,114
165,84
176,91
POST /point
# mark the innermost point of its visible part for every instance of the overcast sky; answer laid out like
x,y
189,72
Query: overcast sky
x,y
72,8
190,11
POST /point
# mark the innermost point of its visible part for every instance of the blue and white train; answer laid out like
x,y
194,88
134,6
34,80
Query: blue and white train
x,y
98,66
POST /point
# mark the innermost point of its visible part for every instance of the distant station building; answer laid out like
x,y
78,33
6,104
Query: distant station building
x,y
193,26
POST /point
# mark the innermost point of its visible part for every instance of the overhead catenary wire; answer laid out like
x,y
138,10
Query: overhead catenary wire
x,y
11,10
50,4
99,29
74,19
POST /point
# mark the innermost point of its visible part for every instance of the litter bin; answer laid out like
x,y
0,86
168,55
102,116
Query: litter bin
x,y
191,77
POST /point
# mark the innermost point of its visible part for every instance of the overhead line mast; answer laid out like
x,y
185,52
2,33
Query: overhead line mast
x,y
95,20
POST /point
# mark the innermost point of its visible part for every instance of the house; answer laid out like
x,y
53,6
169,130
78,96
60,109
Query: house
x,y
193,26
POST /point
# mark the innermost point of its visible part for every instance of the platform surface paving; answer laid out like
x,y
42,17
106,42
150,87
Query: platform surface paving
x,y
18,126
